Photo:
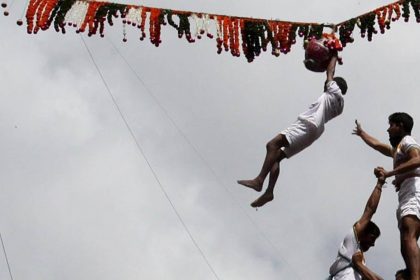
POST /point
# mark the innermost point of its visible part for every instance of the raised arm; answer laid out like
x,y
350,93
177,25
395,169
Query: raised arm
x,y
371,141
359,265
331,68
371,205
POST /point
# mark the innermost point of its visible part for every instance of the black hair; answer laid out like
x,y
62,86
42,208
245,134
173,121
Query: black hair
x,y
404,273
342,84
372,228
404,118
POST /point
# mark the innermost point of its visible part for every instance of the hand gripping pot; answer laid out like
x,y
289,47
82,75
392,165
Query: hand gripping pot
x,y
317,55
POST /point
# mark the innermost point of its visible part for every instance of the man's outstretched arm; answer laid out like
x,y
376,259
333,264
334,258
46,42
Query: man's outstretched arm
x,y
371,205
366,273
371,141
331,68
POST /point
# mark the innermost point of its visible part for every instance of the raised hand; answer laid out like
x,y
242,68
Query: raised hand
x,y
358,129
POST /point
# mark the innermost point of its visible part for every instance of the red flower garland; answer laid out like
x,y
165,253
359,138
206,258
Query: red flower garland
x,y
255,34
90,18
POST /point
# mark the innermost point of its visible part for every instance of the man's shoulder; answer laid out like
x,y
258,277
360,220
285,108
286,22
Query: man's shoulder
x,y
407,143
333,88
409,140
351,235
332,83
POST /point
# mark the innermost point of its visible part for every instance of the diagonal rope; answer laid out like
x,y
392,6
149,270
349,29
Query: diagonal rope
x,y
148,162
24,9
7,259
201,157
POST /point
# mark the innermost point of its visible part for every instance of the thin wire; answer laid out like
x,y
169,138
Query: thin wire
x,y
212,171
148,162
24,9
7,259
10,4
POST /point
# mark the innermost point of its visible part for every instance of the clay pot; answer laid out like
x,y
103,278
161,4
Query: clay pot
x,y
317,55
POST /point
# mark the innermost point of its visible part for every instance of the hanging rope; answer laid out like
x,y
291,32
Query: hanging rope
x,y
7,259
139,148
249,36
220,182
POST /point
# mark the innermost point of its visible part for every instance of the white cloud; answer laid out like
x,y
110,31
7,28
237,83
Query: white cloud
x,y
79,200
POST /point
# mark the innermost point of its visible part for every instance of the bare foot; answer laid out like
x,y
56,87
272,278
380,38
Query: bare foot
x,y
266,197
253,184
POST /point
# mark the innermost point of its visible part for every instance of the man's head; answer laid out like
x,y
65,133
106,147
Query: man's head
x,y
368,237
402,274
400,125
341,84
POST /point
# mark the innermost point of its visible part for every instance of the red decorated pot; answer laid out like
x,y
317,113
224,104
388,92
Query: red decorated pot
x,y
317,56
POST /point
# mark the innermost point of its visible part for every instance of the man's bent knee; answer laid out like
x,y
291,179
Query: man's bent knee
x,y
277,142
271,146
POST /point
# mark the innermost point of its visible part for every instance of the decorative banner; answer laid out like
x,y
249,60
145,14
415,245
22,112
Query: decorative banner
x,y
235,34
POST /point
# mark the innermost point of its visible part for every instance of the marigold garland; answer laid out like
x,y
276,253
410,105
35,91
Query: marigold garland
x,y
235,34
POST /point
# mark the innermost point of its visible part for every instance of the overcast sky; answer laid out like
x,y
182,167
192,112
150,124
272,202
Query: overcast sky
x,y
147,190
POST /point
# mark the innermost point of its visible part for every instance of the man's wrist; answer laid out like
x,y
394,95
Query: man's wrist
x,y
389,174
381,182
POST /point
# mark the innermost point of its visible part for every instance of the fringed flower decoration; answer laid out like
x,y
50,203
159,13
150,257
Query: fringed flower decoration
x,y
237,35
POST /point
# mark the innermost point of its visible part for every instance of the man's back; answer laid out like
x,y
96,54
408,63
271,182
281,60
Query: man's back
x,y
329,105
342,268
401,155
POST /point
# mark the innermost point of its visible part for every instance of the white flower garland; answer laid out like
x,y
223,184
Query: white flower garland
x,y
134,16
77,13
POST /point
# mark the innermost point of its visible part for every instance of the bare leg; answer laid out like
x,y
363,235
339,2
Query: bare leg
x,y
274,153
410,231
269,193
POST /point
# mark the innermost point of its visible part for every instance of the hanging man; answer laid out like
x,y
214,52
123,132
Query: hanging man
x,y
308,127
